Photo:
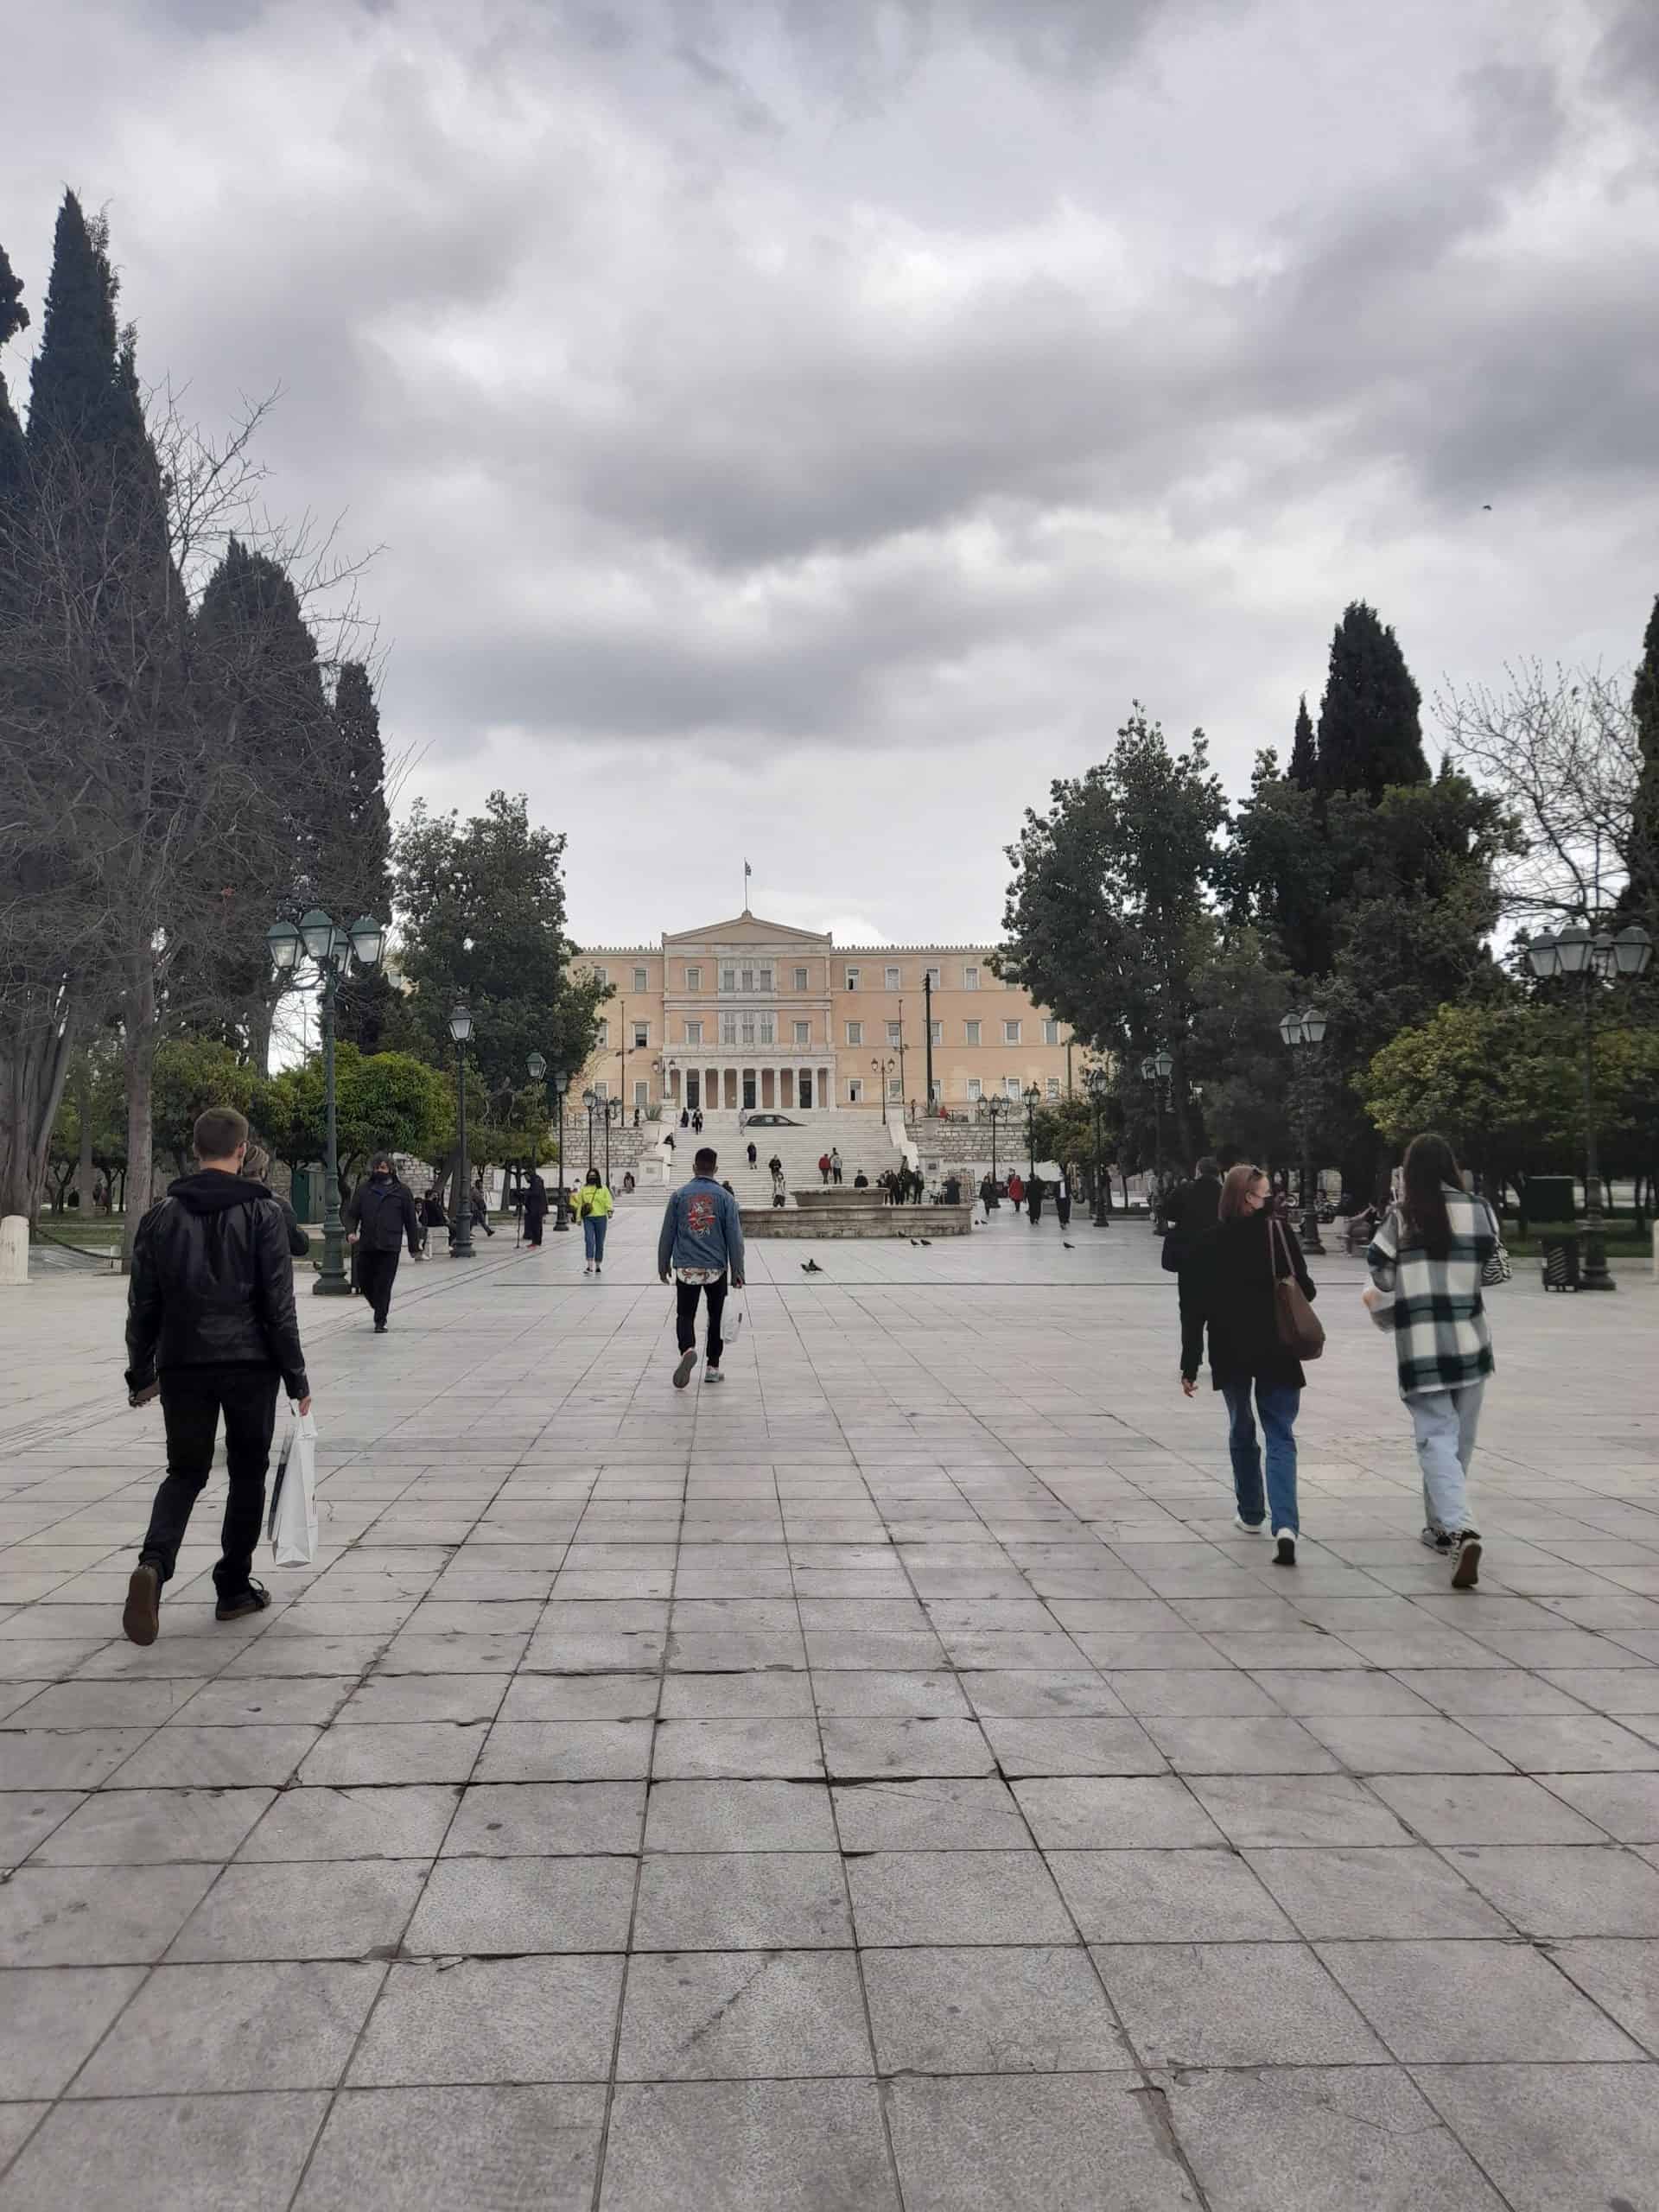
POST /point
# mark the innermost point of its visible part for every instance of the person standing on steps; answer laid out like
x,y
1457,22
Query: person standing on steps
x,y
210,1327
1228,1286
596,1205
700,1248
754,1153
379,1214
834,1164
1427,1261
535,1208
824,1169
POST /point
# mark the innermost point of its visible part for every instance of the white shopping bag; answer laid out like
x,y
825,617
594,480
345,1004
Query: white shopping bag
x,y
292,1526
731,1322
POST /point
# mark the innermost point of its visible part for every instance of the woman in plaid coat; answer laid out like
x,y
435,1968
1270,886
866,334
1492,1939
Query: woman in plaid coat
x,y
1427,1260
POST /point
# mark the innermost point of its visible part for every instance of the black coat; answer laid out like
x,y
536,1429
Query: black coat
x,y
1197,1204
212,1284
535,1199
382,1211
1226,1287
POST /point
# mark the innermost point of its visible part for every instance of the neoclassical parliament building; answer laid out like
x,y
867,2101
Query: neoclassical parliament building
x,y
748,1012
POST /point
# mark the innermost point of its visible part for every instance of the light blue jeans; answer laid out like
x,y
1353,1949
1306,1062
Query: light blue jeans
x,y
593,1226
1444,1422
1278,1404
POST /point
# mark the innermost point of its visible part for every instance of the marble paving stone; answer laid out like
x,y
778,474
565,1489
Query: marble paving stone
x,y
517,1905
580,1697
95,1915
1556,2139
733,2015
1232,2005
1564,1889
389,1822
1031,1693
905,1748
76,1759
961,1897
1567,1743
942,1813
736,1748
566,1751
1355,1891
1622,1976
1302,1691
51,2017
287,1912
1077,2142
747,2147
757,1900
784,1695
166,2154
1245,1746
1475,2002
1266,1811
247,2027
1089,1812
763,1815
149,1827
388,2150
1626,1805
397,1751
546,1819
28,1816
851,1694
1483,1809
1166,1897
550,2018
1321,2139
970,2010
390,1697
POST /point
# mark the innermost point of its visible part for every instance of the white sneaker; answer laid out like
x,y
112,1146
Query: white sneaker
x,y
1285,1556
1250,1527
712,1375
589,1269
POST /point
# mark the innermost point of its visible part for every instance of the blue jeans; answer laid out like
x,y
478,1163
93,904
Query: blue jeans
x,y
593,1226
1278,1404
1444,1423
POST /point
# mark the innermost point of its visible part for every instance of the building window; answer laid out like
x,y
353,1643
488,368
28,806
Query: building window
x,y
854,1032
895,1033
729,1029
1011,1086
893,979
800,979
895,1089
802,1032
1053,1086
970,1033
748,978
603,1038
769,1030
976,1088
601,1090
641,1093
935,976
852,979
694,1032
602,976
694,978
1050,1033
729,979
641,980
937,1030
765,980
641,1035
970,979
1010,1033
748,1029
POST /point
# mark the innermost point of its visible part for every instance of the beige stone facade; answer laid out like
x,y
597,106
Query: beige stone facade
x,y
748,1013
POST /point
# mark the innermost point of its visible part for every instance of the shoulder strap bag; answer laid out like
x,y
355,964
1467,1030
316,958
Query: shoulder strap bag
x,y
1299,1328
1500,1267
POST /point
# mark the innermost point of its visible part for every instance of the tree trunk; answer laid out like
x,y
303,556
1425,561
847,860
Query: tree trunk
x,y
138,1055
85,1173
34,1066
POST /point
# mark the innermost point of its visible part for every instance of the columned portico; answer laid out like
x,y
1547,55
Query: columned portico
x,y
731,1087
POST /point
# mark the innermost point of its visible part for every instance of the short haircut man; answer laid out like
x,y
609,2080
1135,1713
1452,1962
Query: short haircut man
x,y
220,1135
699,1247
1209,1166
705,1159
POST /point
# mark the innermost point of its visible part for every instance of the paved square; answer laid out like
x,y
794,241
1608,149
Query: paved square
x,y
887,1781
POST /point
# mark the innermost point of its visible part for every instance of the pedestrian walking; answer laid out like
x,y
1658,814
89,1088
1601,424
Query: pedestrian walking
x,y
779,1193
986,1193
834,1164
696,1122
535,1208
596,1206
1193,1208
480,1206
1034,1193
256,1168
379,1214
1016,1190
1063,1199
685,1117
1229,1287
1432,1252
700,1250
432,1213
824,1169
210,1327
754,1153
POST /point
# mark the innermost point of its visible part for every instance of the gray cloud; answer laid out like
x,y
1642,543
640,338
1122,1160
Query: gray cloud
x,y
805,427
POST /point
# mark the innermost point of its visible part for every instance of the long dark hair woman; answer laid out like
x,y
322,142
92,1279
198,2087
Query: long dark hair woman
x,y
1426,1262
1227,1283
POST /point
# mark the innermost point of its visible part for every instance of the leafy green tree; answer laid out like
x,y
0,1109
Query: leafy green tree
x,y
1304,770
192,1074
1239,1061
382,1099
1641,899
1370,736
1108,918
1278,875
13,317
354,865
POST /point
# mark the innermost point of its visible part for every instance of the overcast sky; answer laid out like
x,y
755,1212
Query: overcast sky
x,y
798,427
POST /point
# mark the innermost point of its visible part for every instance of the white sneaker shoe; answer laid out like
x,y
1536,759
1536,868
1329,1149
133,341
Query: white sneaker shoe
x,y
588,1268
1250,1527
712,1375
1285,1539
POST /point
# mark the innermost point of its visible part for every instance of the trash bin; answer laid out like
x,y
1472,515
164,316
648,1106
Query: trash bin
x,y
1561,1256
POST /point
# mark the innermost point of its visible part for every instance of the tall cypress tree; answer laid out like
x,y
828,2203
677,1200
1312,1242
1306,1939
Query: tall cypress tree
x,y
1304,769
13,317
75,391
1369,736
1642,896
357,858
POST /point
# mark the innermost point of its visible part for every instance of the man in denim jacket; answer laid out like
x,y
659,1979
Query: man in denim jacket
x,y
701,1245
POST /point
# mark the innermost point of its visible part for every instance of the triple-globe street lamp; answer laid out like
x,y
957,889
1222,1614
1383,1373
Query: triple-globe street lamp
x,y
1156,1068
461,1028
1099,1084
537,1066
1590,958
1032,1098
332,951
1305,1032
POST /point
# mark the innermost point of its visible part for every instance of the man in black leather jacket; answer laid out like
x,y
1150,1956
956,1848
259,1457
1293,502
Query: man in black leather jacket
x,y
211,1324
379,1214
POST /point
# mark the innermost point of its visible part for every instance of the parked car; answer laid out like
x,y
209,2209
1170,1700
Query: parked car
x,y
770,1121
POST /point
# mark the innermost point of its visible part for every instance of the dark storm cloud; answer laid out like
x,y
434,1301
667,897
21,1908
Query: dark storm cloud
x,y
760,399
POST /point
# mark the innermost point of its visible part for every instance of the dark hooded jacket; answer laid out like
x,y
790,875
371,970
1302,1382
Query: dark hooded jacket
x,y
1227,1289
212,1284
382,1212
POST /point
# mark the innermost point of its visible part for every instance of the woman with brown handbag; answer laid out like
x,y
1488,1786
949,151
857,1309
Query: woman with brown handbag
x,y
1245,1281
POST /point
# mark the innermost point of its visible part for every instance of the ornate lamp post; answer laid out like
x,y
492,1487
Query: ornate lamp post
x,y
996,1110
1099,1084
1591,959
331,951
537,1066
1156,1070
613,1111
1305,1032
590,1099
461,1028
883,1071
1032,1095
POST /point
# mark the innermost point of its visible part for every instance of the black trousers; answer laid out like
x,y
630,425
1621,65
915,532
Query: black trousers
x,y
376,1274
1063,1207
192,1399
685,1314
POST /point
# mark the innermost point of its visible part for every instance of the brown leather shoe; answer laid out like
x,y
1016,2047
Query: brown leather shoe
x,y
141,1618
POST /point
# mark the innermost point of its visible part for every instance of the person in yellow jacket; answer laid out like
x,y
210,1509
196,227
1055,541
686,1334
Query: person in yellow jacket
x,y
596,1205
